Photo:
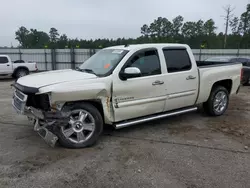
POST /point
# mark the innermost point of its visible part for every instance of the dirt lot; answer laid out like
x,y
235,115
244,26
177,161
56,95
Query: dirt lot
x,y
187,151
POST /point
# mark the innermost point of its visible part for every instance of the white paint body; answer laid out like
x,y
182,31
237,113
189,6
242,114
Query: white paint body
x,y
8,68
135,97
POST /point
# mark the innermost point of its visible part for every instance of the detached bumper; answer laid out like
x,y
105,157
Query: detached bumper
x,y
49,119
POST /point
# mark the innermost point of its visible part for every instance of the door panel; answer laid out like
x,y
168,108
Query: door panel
x,y
181,81
5,65
140,96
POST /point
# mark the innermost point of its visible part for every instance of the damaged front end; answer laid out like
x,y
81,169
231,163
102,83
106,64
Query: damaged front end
x,y
37,108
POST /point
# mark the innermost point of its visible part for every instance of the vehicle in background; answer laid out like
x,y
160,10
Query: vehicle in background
x,y
122,86
231,59
16,69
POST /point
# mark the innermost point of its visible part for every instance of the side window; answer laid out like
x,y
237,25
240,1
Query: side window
x,y
3,60
177,60
147,61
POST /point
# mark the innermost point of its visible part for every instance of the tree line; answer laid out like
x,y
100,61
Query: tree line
x,y
198,34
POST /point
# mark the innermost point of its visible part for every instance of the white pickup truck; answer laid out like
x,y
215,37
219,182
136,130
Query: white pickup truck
x,y
122,86
15,69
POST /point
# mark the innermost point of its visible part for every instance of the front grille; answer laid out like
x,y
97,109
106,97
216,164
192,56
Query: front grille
x,y
20,95
19,101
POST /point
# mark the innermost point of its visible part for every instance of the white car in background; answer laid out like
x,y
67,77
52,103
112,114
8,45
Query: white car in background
x,y
15,69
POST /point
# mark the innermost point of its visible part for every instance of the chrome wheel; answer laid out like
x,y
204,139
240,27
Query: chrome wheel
x,y
220,102
80,128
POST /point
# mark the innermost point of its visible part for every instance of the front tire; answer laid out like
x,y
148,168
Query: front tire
x,y
84,127
217,102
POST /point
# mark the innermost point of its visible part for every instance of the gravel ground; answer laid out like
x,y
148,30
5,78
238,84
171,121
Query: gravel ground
x,y
186,151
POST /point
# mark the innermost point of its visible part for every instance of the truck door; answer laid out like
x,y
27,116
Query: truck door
x,y
5,66
142,95
182,78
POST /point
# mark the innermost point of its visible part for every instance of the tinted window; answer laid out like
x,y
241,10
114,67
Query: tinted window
x,y
3,60
19,61
147,61
177,60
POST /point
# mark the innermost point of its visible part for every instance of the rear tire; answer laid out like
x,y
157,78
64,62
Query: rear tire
x,y
21,72
84,127
217,102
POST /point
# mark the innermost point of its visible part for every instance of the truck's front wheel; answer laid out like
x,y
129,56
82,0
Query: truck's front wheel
x,y
84,127
217,102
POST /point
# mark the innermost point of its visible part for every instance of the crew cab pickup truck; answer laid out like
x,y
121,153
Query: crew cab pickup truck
x,y
15,69
122,86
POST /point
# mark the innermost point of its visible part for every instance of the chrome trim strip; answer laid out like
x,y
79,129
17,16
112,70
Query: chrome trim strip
x,y
141,101
182,94
168,114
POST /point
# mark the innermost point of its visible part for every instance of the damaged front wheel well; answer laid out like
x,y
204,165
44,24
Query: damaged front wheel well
x,y
95,103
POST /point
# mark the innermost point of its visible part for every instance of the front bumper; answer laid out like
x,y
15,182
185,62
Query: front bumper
x,y
49,118
19,104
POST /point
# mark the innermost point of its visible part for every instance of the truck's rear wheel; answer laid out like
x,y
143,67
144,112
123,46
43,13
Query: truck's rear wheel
x,y
217,102
21,72
84,127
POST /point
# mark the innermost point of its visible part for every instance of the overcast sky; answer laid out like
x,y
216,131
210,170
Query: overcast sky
x,y
104,18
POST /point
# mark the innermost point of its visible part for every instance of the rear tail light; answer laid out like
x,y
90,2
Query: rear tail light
x,y
36,66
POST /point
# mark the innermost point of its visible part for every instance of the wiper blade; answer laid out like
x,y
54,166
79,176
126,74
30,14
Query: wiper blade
x,y
87,70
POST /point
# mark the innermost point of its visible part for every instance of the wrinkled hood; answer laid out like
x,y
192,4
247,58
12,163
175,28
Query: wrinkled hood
x,y
39,80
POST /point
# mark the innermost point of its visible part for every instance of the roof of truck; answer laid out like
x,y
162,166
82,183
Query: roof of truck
x,y
149,45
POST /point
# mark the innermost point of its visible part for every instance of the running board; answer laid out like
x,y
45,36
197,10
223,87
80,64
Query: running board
x,y
154,117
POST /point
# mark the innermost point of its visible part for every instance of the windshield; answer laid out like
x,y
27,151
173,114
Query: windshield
x,y
103,62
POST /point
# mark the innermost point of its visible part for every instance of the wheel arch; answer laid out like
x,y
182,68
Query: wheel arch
x,y
19,68
102,106
227,83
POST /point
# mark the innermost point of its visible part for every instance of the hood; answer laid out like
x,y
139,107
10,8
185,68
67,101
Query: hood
x,y
53,77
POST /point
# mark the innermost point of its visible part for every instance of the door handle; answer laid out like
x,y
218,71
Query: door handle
x,y
157,82
190,77
8,65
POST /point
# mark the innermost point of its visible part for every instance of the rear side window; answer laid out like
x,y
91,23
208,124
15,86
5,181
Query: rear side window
x,y
3,60
177,60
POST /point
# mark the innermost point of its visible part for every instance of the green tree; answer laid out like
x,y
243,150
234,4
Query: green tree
x,y
53,34
234,24
176,26
145,31
189,29
22,35
209,27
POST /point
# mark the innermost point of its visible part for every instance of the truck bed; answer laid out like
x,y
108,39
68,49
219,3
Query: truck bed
x,y
210,73
202,64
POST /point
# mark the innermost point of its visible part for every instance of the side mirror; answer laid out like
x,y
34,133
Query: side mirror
x,y
130,72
